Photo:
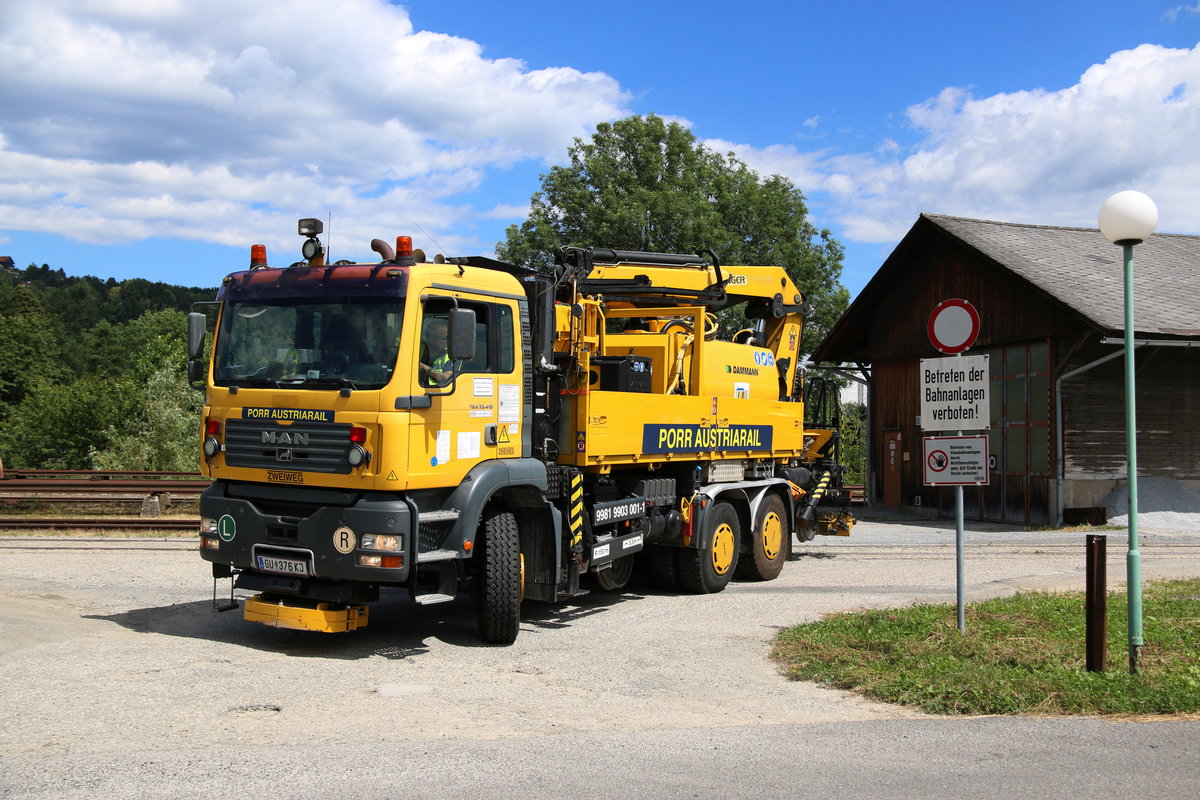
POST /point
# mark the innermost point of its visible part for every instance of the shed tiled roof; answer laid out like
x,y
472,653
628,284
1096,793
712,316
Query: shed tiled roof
x,y
1084,271
1076,267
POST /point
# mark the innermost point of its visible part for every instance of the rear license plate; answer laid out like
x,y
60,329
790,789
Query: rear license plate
x,y
287,566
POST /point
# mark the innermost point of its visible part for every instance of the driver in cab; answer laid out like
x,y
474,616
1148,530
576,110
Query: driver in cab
x,y
436,367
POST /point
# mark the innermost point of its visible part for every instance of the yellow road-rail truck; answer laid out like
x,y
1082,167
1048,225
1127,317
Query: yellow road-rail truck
x,y
470,426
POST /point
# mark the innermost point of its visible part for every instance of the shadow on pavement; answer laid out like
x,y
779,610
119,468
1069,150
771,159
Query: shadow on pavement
x,y
398,628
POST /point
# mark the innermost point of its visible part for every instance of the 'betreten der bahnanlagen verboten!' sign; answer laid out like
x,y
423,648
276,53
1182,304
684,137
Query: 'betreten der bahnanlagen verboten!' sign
x,y
954,394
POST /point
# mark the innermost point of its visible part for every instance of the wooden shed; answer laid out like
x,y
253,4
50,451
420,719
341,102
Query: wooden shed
x,y
1051,307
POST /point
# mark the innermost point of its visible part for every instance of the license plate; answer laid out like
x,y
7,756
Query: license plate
x,y
288,566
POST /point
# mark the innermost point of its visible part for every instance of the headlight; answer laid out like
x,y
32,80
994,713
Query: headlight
x,y
380,541
357,456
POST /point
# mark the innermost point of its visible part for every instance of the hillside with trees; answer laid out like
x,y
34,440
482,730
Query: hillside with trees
x,y
93,373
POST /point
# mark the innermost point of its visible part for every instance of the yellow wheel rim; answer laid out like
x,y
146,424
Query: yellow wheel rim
x,y
722,549
772,536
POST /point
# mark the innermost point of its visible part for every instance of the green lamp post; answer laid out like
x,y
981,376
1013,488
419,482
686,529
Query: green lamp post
x,y
1126,219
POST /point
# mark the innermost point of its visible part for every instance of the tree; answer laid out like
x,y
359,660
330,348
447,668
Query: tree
x,y
58,426
642,183
852,448
163,433
86,368
30,349
139,347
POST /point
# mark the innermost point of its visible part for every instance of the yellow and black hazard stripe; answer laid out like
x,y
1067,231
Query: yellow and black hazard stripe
x,y
822,486
575,510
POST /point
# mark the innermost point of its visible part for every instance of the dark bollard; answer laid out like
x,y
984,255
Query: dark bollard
x,y
1097,602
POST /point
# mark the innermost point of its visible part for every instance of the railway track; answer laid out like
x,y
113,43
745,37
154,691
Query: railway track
x,y
91,492
99,523
56,485
96,475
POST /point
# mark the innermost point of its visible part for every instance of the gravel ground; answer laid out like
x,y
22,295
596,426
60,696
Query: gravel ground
x,y
1163,504
120,681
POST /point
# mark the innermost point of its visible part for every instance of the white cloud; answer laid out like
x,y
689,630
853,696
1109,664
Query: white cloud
x,y
506,211
223,118
1030,156
1173,14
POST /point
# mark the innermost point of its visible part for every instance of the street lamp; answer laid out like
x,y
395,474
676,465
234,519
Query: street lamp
x,y
1126,219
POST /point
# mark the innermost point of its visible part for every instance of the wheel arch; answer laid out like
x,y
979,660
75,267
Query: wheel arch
x,y
779,490
735,496
746,498
515,484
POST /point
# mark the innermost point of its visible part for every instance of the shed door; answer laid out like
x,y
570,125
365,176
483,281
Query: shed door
x,y
1019,439
892,459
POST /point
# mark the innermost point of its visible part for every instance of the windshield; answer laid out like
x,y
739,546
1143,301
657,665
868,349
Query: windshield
x,y
309,345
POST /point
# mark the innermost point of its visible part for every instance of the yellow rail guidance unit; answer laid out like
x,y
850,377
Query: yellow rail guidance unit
x,y
470,426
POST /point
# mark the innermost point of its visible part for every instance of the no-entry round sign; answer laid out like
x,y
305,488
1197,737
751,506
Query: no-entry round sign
x,y
953,326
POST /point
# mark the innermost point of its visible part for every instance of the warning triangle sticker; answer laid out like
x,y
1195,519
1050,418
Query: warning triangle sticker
x,y
392,476
503,437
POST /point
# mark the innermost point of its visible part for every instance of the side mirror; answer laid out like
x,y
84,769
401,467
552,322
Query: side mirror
x,y
196,324
195,335
461,334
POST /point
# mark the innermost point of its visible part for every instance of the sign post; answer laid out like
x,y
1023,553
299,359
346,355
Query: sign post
x,y
954,397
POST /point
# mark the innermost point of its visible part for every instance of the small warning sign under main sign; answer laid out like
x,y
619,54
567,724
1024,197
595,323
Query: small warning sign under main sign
x,y
956,460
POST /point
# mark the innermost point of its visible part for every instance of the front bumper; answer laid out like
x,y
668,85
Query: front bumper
x,y
264,534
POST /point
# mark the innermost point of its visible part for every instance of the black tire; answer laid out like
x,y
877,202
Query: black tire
x,y
767,545
500,579
664,567
710,569
616,575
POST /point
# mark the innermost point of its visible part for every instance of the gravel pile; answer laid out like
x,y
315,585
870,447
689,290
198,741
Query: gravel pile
x,y
1163,504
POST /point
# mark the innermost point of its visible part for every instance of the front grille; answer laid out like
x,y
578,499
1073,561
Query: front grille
x,y
298,447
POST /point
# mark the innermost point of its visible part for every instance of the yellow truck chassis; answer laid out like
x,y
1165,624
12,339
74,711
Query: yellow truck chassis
x,y
576,425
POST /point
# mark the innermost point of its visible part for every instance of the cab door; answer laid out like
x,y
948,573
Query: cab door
x,y
474,412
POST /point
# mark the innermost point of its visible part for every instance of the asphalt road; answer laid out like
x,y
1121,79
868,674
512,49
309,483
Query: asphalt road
x,y
120,681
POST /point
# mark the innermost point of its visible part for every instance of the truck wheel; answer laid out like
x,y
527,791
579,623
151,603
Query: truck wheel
x,y
664,566
616,576
768,543
500,587
709,570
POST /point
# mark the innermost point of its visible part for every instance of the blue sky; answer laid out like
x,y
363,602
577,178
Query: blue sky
x,y
161,139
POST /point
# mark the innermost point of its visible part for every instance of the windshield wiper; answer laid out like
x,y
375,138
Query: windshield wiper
x,y
331,382
257,382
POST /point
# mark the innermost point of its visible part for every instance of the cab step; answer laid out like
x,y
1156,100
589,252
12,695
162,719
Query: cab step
x,y
430,599
439,515
436,555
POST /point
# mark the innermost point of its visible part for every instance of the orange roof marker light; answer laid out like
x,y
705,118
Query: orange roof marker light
x,y
404,251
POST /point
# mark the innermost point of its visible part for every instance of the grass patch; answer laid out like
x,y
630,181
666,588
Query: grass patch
x,y
1020,655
